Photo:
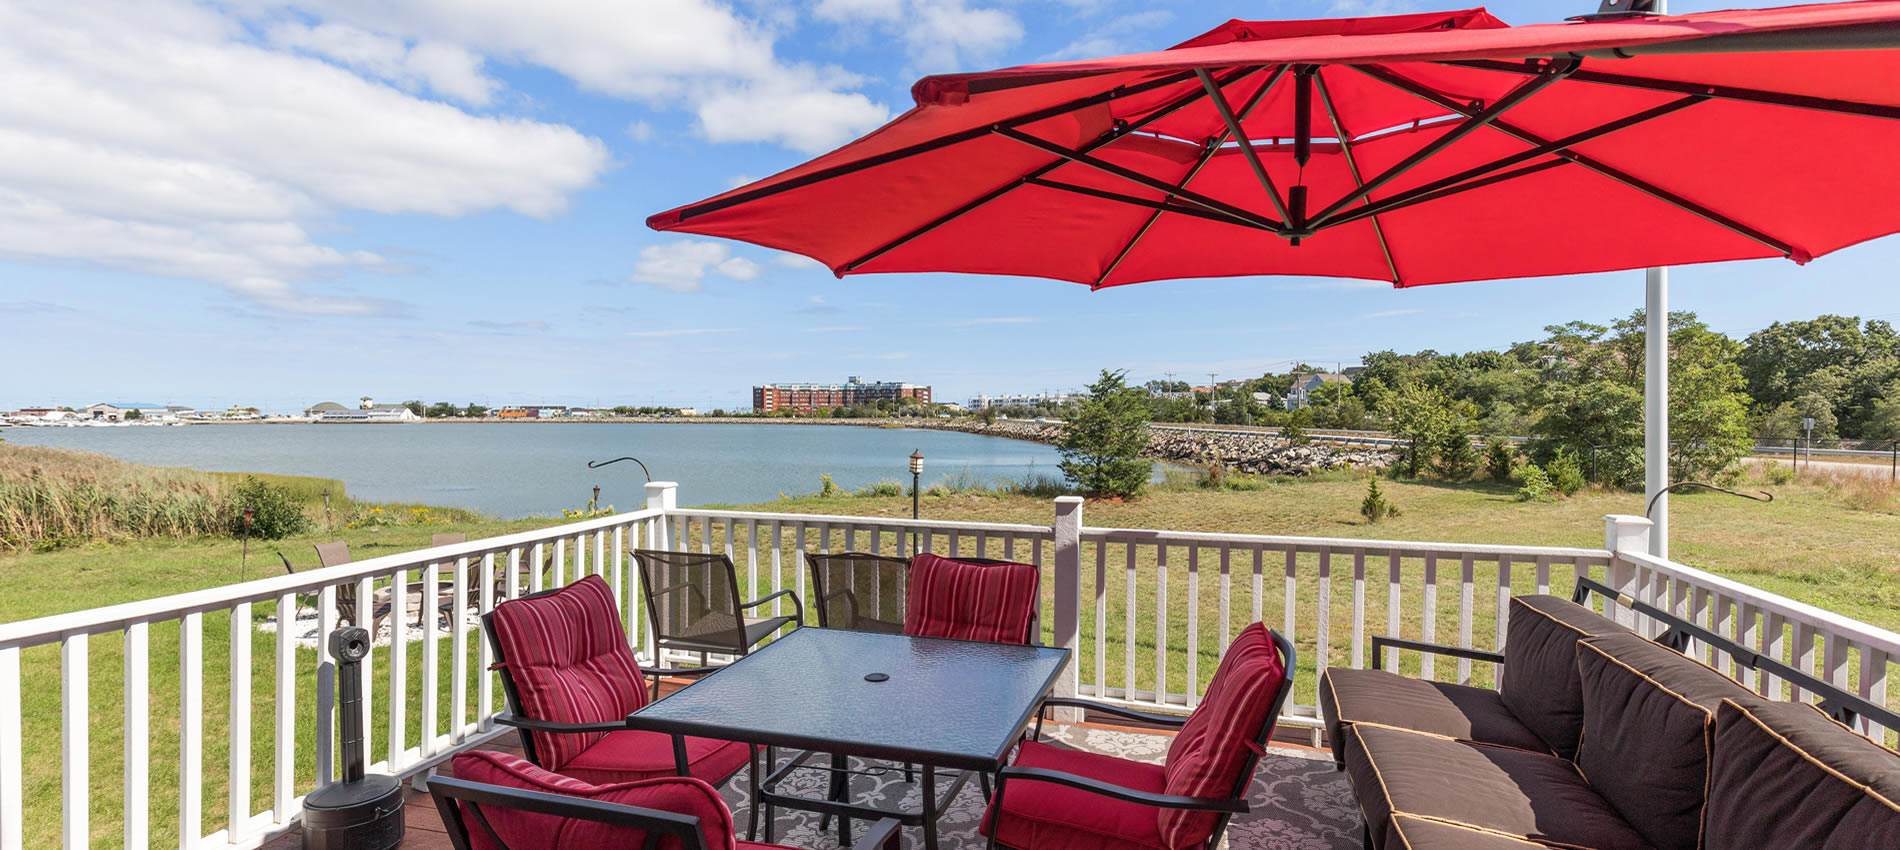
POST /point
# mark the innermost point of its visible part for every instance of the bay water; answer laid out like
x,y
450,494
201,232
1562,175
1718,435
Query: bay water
x,y
514,470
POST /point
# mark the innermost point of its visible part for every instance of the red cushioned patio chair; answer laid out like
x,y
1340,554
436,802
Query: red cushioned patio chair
x,y
972,599
1051,797
498,802
571,680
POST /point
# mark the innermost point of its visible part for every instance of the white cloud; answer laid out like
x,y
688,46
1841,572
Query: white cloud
x,y
640,131
834,329
446,69
737,180
698,54
682,332
682,265
158,137
802,110
798,262
938,35
1124,34
1387,314
859,10
536,325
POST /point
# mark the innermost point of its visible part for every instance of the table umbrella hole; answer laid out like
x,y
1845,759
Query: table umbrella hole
x,y
876,677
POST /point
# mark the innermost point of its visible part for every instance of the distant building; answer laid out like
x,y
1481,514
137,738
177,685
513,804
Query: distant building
x,y
689,411
373,413
980,402
117,411
1305,386
808,398
533,411
321,408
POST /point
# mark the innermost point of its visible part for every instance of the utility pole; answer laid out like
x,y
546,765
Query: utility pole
x,y
1211,389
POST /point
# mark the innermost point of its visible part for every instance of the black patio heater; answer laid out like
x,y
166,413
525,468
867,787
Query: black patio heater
x,y
360,812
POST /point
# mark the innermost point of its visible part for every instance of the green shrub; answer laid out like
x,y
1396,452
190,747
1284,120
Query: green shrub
x,y
1104,437
1498,461
278,512
1777,473
1457,458
886,487
1535,485
1566,472
825,487
1294,430
1375,507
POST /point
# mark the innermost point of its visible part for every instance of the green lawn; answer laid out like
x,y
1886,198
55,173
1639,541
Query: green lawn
x,y
1809,544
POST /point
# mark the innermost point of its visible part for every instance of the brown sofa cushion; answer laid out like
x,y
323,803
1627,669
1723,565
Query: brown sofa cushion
x,y
1648,713
1786,775
1437,708
1495,789
1540,666
1416,833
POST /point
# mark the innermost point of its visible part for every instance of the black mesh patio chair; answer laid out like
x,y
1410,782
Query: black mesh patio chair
x,y
859,591
337,554
694,604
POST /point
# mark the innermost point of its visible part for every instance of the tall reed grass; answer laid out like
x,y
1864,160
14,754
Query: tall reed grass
x,y
53,497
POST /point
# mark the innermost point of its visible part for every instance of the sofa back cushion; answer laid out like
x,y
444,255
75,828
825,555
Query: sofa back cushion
x,y
569,662
1218,741
1648,716
966,600
519,829
1540,666
1786,775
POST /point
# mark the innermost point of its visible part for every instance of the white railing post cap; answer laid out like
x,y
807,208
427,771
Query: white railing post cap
x,y
1626,532
662,495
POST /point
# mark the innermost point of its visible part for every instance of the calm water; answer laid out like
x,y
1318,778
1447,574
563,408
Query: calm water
x,y
521,470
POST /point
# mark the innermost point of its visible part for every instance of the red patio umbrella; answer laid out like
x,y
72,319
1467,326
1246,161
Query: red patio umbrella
x,y
1419,149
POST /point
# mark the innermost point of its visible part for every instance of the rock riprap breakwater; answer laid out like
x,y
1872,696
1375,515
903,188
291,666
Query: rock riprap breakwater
x,y
1261,453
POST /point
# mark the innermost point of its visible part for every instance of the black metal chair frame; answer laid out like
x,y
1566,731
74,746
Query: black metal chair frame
x,y
740,645
460,801
821,597
1225,807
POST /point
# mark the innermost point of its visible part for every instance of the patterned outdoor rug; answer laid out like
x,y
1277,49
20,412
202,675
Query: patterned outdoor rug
x,y
1298,801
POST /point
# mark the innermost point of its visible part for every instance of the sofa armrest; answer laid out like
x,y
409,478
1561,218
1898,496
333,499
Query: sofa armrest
x,y
1381,642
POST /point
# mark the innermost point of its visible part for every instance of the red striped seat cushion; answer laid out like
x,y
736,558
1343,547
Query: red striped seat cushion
x,y
1213,747
521,830
967,601
570,664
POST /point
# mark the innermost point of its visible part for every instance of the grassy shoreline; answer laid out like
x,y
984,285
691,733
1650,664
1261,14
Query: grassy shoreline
x,y
1814,543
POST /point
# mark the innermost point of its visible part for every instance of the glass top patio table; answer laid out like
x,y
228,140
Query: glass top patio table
x,y
949,703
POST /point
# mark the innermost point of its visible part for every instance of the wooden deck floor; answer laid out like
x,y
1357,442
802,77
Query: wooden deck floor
x,y
423,829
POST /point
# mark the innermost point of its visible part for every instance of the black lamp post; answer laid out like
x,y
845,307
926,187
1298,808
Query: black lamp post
x,y
244,559
916,479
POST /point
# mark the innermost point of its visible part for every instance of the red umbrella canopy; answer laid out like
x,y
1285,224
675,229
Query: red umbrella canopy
x,y
1418,149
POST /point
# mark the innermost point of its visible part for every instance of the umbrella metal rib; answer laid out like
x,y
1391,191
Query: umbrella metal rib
x,y
1240,136
1745,95
1426,93
924,147
1474,120
1134,176
1436,189
1352,167
1212,147
984,199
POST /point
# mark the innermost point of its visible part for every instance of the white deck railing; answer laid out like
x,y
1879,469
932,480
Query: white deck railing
x,y
1147,613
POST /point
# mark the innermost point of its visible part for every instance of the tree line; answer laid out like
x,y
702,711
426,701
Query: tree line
x,y
1576,393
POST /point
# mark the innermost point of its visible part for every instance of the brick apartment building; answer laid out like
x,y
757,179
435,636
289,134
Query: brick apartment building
x,y
808,398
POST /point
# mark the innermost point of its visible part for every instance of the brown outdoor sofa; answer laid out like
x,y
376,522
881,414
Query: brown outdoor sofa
x,y
1630,745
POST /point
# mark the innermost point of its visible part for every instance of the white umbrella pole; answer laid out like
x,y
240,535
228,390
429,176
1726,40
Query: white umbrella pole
x,y
1656,408
1656,393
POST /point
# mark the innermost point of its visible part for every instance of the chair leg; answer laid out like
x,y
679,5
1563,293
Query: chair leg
x,y
771,815
752,825
983,780
908,777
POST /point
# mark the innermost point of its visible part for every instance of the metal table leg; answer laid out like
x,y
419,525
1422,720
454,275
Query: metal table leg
x,y
930,807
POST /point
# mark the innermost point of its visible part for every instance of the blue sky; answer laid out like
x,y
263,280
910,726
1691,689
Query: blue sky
x,y
278,202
